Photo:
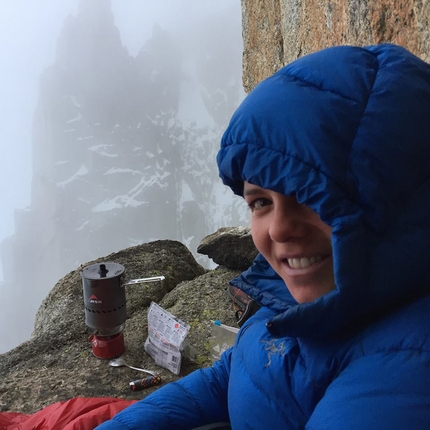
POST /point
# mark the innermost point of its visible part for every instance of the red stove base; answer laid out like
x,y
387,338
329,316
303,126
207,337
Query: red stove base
x,y
107,346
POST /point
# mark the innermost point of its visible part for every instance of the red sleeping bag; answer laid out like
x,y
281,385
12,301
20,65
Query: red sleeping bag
x,y
79,413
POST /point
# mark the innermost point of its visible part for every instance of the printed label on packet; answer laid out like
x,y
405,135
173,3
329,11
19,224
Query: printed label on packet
x,y
165,336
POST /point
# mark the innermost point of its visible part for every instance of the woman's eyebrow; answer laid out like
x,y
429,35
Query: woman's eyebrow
x,y
251,191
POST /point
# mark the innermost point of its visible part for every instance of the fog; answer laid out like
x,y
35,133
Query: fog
x,y
111,114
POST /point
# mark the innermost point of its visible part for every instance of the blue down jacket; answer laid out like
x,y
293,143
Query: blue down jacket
x,y
347,131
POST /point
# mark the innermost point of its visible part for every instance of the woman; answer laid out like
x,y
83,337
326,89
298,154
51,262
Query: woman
x,y
331,154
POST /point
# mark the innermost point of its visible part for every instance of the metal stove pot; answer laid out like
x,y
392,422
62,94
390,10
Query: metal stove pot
x,y
104,297
105,308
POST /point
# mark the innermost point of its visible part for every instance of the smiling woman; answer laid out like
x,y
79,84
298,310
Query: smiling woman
x,y
331,154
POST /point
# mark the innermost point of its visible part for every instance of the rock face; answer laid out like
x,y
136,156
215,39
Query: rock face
x,y
276,32
123,149
57,362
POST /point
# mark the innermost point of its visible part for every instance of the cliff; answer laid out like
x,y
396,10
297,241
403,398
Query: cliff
x,y
276,32
57,362
123,150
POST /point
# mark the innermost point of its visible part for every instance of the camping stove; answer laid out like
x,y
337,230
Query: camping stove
x,y
105,308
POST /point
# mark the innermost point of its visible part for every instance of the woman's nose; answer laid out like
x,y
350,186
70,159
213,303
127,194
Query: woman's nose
x,y
285,224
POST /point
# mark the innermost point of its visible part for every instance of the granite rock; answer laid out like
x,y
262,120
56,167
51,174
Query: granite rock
x,y
57,362
231,247
276,32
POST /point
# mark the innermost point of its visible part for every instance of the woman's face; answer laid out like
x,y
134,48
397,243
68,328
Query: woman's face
x,y
294,241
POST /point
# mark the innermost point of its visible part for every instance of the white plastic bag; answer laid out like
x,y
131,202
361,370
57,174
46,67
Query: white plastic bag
x,y
223,337
165,336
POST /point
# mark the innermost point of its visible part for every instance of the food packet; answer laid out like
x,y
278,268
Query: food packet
x,y
166,334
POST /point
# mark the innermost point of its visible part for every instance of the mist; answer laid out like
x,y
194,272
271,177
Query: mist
x,y
112,112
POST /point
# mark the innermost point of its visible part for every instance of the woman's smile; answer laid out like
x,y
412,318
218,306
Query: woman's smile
x,y
304,265
303,262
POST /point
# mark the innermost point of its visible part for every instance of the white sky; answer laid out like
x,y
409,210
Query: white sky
x,y
28,36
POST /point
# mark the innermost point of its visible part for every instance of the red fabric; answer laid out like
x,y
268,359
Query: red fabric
x,y
79,413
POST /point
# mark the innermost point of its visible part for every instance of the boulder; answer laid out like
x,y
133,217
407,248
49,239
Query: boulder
x,y
231,247
57,363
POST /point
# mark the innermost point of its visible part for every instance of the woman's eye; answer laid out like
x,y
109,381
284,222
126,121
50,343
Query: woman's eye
x,y
258,204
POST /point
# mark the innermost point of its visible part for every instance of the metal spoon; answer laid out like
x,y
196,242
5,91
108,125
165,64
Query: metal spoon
x,y
118,362
140,280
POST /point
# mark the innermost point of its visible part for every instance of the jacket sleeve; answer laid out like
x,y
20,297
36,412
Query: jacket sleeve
x,y
384,391
195,400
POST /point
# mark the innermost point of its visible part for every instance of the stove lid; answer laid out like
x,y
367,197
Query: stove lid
x,y
102,271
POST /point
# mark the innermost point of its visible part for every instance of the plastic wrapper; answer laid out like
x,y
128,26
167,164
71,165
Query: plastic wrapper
x,y
166,334
223,337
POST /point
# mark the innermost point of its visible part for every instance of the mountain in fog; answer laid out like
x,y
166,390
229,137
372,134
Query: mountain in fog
x,y
117,158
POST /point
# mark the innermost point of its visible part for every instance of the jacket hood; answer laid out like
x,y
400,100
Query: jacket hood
x,y
346,131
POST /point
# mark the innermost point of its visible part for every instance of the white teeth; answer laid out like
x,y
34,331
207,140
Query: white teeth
x,y
304,262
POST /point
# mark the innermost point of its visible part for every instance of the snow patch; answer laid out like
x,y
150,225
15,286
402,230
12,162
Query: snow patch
x,y
82,226
113,170
106,154
74,100
118,202
81,172
78,117
100,150
187,241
